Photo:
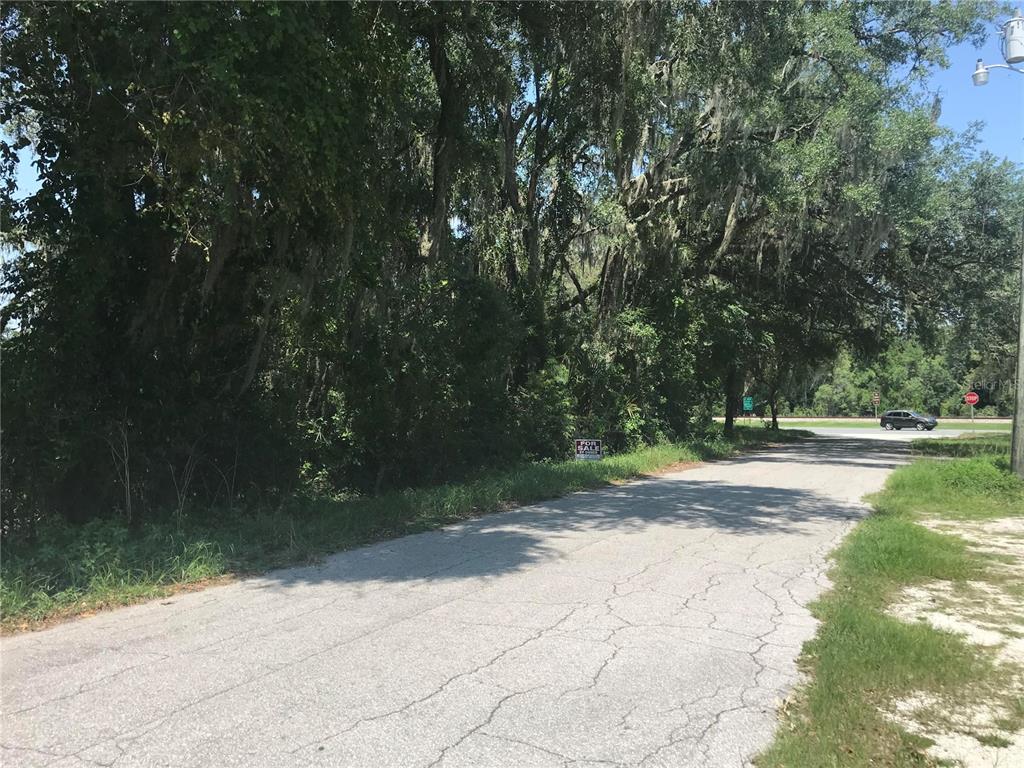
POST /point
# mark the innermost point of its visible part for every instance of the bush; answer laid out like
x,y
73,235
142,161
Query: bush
x,y
545,410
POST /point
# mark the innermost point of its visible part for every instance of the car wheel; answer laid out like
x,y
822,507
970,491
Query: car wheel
x,y
888,426
921,427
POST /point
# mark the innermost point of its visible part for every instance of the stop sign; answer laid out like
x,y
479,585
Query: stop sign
x,y
971,398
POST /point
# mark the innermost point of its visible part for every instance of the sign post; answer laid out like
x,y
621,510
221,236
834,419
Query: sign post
x,y
875,400
588,450
971,398
748,404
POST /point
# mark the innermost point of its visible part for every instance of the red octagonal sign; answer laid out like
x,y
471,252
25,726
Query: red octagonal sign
x,y
971,398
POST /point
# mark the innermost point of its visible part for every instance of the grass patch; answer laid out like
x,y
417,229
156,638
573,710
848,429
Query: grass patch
x,y
976,486
67,570
990,740
863,659
964,445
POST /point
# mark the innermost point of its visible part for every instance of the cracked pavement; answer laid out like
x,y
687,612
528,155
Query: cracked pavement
x,y
655,623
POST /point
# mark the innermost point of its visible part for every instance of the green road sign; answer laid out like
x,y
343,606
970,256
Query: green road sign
x,y
748,403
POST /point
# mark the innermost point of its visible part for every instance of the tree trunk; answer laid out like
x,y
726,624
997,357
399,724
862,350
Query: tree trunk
x,y
730,400
448,121
774,404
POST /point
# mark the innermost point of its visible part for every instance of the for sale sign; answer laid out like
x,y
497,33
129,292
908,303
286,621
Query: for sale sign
x,y
588,450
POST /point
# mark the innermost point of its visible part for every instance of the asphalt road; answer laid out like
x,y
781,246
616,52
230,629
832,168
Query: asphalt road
x,y
900,436
652,624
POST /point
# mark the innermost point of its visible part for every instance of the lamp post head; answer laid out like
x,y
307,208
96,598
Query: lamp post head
x,y
980,76
1013,39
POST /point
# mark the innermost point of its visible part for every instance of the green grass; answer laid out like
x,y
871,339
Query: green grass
x,y
862,659
873,424
964,445
67,570
992,741
977,485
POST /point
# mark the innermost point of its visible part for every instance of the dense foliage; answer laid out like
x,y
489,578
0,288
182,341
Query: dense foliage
x,y
326,247
957,330
905,375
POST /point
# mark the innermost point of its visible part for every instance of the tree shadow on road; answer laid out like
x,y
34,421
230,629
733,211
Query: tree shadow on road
x,y
524,537
840,452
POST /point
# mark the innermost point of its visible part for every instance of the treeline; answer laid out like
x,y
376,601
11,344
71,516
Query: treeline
x,y
331,247
905,375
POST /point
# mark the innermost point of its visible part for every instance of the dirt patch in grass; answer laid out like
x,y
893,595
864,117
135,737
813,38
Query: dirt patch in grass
x,y
1002,538
981,725
963,734
679,466
982,613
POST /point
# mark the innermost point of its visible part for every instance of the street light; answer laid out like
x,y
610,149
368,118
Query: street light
x,y
1011,36
980,76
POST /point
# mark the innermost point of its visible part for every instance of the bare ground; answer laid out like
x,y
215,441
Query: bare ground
x,y
981,728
